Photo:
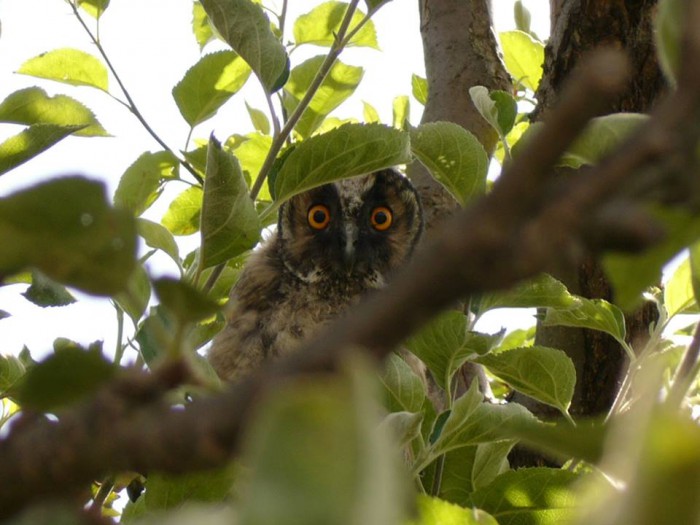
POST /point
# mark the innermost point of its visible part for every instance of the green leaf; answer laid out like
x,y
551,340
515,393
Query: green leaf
x,y
522,17
401,107
135,299
33,106
339,84
317,447
601,136
259,120
530,495
157,236
352,149
182,217
321,25
94,8
524,57
66,229
63,378
695,270
631,274
246,28
419,87
473,421
545,374
405,391
155,334
141,183
434,511
209,84
44,292
453,156
369,113
251,153
404,426
229,222
540,292
201,28
11,372
497,107
186,303
444,345
27,144
595,314
70,66
678,291
165,492
668,25
512,139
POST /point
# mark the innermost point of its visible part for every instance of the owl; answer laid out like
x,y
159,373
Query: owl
x,y
332,244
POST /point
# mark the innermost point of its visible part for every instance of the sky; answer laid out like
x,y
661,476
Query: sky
x,y
151,46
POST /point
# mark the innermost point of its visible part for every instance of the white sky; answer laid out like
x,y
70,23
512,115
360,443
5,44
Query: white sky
x,y
151,45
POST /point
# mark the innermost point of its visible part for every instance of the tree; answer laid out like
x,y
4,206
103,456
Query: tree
x,y
303,440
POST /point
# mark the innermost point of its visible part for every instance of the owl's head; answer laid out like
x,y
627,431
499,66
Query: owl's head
x,y
354,230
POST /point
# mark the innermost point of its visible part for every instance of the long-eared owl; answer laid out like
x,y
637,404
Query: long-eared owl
x,y
332,244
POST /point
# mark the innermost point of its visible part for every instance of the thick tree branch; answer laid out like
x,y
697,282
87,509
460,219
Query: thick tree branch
x,y
510,234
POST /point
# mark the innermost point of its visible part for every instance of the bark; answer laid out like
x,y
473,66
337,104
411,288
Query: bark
x,y
578,27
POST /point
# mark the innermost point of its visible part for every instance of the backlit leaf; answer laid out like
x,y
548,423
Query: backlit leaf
x,y
419,87
339,84
229,222
401,112
369,113
157,236
259,119
94,7
141,183
320,25
33,106
453,156
545,374
11,371
70,66
66,229
352,149
434,511
200,25
182,217
28,143
246,28
678,291
596,314
540,292
209,84
524,57
251,153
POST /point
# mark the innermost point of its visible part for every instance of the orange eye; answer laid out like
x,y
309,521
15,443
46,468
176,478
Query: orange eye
x,y
381,218
319,216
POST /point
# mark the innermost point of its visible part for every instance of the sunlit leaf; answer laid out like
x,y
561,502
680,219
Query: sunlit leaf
x,y
201,28
369,113
246,28
28,143
530,495
70,66
434,511
542,291
182,217
251,153
94,7
678,291
523,56
157,236
419,87
545,374
596,314
141,183
401,112
352,149
453,156
259,119
321,25
63,378
339,84
229,222
44,292
497,107
66,229
33,106
209,84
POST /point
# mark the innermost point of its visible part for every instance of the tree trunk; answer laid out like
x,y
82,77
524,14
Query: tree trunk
x,y
579,26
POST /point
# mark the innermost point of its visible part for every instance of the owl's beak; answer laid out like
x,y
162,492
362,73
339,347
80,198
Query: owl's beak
x,y
349,251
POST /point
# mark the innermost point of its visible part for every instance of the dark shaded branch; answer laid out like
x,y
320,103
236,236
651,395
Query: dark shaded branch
x,y
506,236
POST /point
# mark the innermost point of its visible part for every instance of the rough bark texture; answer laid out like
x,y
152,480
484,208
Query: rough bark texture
x,y
460,51
580,26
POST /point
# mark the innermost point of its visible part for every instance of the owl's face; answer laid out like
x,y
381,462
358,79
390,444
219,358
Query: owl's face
x,y
356,230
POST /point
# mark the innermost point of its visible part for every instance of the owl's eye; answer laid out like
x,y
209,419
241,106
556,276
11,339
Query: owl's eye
x,y
319,216
381,218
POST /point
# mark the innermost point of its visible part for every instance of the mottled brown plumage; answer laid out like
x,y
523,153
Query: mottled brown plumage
x,y
332,244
